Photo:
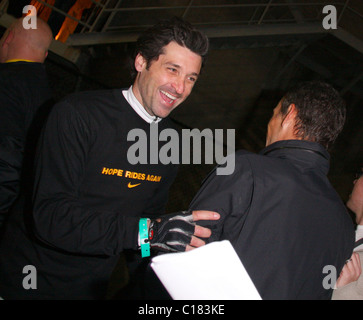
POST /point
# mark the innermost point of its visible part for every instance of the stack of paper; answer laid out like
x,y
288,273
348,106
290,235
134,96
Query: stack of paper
x,y
211,272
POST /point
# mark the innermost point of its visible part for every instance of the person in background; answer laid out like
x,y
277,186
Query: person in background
x,y
350,282
90,202
25,99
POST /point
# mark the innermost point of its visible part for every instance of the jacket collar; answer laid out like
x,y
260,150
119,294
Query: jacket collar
x,y
307,153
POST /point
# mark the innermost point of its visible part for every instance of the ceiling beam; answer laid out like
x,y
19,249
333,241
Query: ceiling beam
x,y
96,38
349,39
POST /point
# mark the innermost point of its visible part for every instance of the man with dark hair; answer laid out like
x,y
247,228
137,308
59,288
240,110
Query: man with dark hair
x,y
321,113
151,44
278,209
90,202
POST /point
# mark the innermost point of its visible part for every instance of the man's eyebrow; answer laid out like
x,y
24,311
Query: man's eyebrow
x,y
175,65
172,64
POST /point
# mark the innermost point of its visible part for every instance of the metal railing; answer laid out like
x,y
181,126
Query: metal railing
x,y
113,15
108,9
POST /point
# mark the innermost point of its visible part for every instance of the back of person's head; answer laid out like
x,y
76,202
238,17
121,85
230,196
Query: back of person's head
x,y
26,43
320,111
151,43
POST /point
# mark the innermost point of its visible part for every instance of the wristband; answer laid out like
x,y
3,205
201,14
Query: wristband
x,y
144,235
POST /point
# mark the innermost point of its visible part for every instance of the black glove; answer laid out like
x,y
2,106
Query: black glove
x,y
173,232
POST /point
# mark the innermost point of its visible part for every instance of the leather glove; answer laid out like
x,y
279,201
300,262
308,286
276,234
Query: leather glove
x,y
172,232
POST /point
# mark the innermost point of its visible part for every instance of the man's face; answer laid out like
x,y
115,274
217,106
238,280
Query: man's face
x,y
168,81
274,126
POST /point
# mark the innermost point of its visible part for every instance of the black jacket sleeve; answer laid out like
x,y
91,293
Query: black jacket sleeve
x,y
229,195
60,219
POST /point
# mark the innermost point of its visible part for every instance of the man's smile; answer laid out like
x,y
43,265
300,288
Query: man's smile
x,y
168,97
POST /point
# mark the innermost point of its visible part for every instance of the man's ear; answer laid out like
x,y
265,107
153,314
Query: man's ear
x,y
290,116
140,63
8,37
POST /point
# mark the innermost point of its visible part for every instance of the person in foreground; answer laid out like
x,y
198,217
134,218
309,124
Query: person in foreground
x,y
90,202
278,208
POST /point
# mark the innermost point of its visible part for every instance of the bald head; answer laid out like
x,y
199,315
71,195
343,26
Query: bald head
x,y
28,44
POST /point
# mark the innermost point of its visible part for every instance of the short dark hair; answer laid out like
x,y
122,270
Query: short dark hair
x,y
151,42
321,111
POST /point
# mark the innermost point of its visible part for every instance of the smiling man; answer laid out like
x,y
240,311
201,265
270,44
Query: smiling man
x,y
168,81
90,203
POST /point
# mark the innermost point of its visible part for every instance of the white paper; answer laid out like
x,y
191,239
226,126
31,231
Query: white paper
x,y
211,272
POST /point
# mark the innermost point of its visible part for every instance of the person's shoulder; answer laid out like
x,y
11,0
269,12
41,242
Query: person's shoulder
x,y
19,74
89,97
237,162
88,101
246,160
21,68
242,153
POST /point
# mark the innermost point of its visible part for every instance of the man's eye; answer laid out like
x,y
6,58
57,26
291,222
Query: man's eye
x,y
172,69
192,79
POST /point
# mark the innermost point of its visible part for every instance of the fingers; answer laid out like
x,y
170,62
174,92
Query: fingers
x,y
205,215
200,232
354,265
195,243
351,271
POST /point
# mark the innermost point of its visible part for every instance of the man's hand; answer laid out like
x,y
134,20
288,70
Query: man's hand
x,y
179,232
351,271
201,232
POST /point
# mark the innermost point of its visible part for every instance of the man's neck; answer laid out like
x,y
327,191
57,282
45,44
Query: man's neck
x,y
138,107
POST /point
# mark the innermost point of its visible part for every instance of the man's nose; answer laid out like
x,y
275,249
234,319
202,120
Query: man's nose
x,y
179,84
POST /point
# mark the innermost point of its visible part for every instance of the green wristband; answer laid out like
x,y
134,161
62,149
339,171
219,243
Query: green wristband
x,y
144,235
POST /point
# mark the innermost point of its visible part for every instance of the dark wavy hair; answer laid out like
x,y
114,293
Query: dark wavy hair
x,y
152,41
321,111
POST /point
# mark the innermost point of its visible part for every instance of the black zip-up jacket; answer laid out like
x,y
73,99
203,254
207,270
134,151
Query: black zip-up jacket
x,y
283,218
87,203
